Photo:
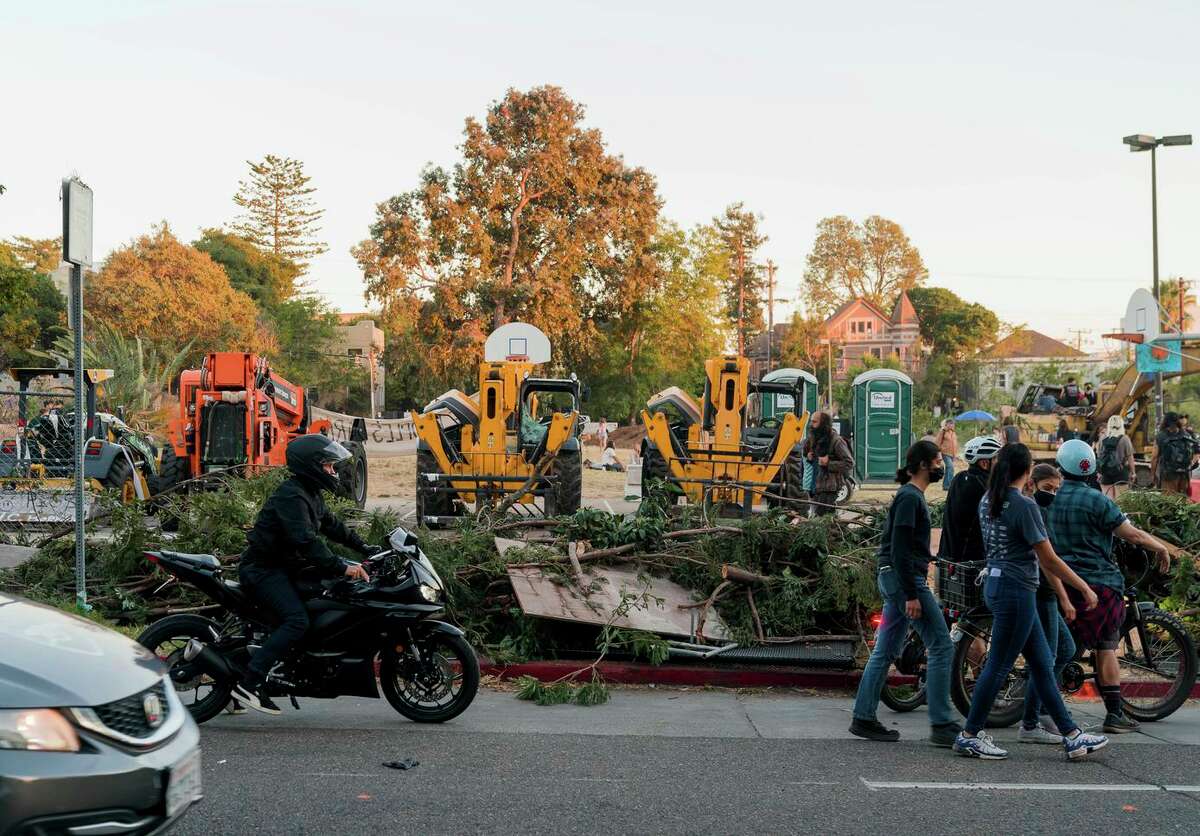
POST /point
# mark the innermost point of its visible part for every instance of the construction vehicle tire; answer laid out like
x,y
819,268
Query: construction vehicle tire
x,y
171,471
568,486
120,479
654,476
354,475
790,484
430,503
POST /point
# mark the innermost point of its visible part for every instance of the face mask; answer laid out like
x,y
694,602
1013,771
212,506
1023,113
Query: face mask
x,y
1043,498
937,474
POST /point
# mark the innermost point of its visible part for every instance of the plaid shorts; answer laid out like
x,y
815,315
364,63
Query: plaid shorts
x,y
1099,628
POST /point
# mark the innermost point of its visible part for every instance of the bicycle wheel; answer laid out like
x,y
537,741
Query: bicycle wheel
x,y
1157,658
970,658
909,695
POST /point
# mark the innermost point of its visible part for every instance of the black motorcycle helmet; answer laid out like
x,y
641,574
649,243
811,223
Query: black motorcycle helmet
x,y
307,455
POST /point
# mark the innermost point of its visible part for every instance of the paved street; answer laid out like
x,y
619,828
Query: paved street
x,y
663,761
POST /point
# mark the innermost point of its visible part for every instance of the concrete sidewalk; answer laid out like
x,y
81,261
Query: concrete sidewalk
x,y
656,712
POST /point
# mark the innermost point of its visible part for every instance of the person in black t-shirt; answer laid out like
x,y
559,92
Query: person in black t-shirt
x,y
903,563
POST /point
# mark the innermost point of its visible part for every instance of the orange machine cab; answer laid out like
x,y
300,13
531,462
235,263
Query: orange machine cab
x,y
234,412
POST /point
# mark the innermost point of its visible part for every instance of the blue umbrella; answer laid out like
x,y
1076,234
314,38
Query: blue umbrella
x,y
976,415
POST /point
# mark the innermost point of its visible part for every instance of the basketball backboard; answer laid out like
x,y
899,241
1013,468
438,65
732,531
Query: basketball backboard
x,y
1141,316
517,341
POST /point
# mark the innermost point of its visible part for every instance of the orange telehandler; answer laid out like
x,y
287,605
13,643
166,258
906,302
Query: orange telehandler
x,y
235,413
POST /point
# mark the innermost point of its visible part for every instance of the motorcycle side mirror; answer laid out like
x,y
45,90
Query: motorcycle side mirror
x,y
121,412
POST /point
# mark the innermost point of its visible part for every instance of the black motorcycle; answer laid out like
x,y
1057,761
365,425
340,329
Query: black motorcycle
x,y
386,628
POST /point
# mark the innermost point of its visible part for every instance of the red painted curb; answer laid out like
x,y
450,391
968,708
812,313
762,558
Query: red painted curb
x,y
640,673
635,673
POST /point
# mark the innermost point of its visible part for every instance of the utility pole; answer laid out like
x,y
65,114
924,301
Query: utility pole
x,y
741,273
1079,332
770,310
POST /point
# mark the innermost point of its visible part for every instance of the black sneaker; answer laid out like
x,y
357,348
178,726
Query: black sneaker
x,y
1120,724
256,698
944,735
873,730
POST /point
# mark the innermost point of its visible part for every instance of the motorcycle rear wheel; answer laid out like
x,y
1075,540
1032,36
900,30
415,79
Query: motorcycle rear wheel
x,y
437,688
166,638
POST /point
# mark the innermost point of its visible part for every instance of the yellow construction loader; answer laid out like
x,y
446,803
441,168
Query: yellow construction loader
x,y
519,434
712,454
1130,396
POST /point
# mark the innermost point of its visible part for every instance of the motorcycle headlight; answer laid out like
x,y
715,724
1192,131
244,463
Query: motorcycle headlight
x,y
429,593
37,730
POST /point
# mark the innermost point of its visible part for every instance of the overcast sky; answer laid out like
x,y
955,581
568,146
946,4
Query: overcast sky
x,y
992,134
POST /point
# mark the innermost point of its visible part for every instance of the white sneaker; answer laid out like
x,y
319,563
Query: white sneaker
x,y
1039,734
979,746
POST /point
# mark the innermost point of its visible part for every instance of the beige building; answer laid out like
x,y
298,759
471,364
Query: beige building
x,y
359,338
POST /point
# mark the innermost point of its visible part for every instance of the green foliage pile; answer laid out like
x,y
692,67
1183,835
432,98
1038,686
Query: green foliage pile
x,y
821,577
122,585
1176,520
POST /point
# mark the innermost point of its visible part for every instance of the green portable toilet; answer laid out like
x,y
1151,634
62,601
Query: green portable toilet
x,y
775,406
882,423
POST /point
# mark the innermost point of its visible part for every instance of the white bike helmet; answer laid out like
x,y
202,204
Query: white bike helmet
x,y
981,447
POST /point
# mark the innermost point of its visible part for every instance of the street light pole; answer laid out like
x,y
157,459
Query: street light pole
x,y
1146,142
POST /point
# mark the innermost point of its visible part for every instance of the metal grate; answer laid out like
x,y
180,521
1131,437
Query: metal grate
x,y
827,653
957,586
127,716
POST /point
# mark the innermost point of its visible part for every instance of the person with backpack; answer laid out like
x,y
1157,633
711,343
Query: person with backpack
x,y
1174,452
1070,394
1114,455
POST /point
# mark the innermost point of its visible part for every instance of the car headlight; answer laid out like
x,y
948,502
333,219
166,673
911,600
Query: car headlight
x,y
37,730
429,593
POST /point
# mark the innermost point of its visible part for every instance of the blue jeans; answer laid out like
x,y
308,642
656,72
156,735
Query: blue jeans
x,y
889,642
1062,648
1016,630
948,461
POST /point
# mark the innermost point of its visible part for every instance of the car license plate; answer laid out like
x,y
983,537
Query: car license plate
x,y
183,786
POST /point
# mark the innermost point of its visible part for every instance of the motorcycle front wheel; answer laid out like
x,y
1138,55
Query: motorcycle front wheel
x,y
434,684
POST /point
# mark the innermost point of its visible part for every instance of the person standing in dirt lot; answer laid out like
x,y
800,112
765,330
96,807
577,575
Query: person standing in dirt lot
x,y
602,434
1174,452
1114,459
830,454
903,565
947,442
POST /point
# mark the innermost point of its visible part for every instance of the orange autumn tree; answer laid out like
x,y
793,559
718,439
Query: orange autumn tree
x,y
166,292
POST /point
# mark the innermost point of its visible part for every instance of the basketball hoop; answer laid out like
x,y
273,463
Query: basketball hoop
x,y
517,358
1159,353
1126,337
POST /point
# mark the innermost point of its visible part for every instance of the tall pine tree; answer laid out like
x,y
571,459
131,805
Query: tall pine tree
x,y
280,216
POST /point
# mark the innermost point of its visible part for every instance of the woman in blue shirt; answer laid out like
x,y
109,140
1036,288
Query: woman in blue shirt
x,y
1014,537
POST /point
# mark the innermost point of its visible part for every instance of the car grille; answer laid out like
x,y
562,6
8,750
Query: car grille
x,y
127,716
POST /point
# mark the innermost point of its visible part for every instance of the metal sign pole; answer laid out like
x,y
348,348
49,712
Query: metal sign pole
x,y
80,435
77,250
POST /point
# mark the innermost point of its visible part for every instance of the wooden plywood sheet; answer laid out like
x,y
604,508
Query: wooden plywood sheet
x,y
545,597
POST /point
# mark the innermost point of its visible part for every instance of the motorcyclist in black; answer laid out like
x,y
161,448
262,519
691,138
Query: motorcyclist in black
x,y
961,536
287,537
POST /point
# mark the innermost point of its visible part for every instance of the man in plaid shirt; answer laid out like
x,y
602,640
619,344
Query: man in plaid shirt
x,y
1082,522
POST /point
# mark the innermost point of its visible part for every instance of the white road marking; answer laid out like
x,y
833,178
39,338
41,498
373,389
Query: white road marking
x,y
875,786
609,507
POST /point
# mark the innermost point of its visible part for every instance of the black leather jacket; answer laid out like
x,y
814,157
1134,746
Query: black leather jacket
x,y
287,533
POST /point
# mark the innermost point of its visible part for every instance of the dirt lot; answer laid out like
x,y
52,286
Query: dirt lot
x,y
394,477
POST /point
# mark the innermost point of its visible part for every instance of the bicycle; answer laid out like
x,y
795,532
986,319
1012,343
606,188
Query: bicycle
x,y
1156,655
